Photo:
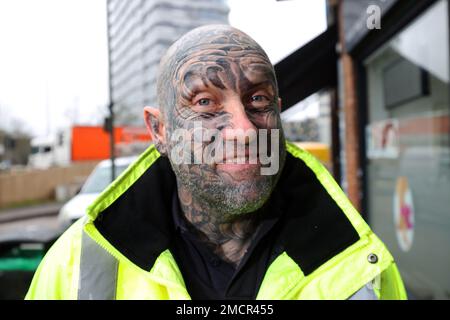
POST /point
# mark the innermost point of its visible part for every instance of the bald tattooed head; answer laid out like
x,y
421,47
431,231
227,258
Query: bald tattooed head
x,y
220,78
212,56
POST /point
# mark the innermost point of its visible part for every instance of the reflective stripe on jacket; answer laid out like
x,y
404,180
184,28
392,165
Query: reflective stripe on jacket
x,y
87,262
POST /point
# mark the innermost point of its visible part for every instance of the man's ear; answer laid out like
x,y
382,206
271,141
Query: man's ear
x,y
279,104
156,128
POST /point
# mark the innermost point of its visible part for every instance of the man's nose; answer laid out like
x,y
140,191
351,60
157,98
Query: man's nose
x,y
239,119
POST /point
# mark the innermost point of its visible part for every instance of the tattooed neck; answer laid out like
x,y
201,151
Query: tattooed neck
x,y
229,238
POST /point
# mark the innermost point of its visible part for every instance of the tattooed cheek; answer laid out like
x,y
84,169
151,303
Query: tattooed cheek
x,y
272,121
265,120
272,118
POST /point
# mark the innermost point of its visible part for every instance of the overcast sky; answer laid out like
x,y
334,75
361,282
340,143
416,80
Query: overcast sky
x,y
280,27
53,54
53,62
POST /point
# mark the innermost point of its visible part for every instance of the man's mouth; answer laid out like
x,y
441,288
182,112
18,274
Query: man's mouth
x,y
236,160
240,158
240,164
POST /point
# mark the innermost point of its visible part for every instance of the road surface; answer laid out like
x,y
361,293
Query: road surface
x,y
43,210
40,229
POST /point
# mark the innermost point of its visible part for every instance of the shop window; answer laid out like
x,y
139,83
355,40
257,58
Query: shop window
x,y
408,150
403,81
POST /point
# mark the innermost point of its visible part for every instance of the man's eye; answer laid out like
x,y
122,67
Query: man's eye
x,y
259,99
204,102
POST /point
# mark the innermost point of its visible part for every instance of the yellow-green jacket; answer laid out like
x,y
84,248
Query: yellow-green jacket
x,y
120,250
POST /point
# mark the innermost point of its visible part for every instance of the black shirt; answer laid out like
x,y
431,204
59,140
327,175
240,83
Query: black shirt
x,y
207,276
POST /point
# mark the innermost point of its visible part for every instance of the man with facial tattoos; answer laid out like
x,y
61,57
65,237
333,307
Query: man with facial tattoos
x,y
221,206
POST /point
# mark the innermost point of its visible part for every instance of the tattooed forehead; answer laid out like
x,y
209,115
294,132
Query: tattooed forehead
x,y
207,70
238,70
219,56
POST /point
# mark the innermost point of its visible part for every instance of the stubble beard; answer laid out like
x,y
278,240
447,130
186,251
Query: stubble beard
x,y
224,197
228,200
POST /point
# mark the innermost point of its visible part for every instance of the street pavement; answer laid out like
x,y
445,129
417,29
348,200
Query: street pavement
x,y
40,229
33,224
49,209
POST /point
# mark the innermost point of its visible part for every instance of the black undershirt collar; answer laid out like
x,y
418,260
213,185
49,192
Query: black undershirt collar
x,y
206,275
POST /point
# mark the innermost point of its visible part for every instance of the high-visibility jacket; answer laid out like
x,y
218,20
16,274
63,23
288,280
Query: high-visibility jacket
x,y
121,248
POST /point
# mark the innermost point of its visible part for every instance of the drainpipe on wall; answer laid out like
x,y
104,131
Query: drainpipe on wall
x,y
350,102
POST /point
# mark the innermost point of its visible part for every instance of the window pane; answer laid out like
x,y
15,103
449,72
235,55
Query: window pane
x,y
408,167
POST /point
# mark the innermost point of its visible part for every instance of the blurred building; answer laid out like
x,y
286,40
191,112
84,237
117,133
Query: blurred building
x,y
14,149
309,120
385,65
140,31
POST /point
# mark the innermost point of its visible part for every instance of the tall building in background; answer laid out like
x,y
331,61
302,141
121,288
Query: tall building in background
x,y
139,32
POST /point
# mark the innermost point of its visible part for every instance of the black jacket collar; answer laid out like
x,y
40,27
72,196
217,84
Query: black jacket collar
x,y
312,228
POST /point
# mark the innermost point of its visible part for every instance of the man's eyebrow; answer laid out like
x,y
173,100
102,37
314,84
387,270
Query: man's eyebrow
x,y
266,84
195,82
197,88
